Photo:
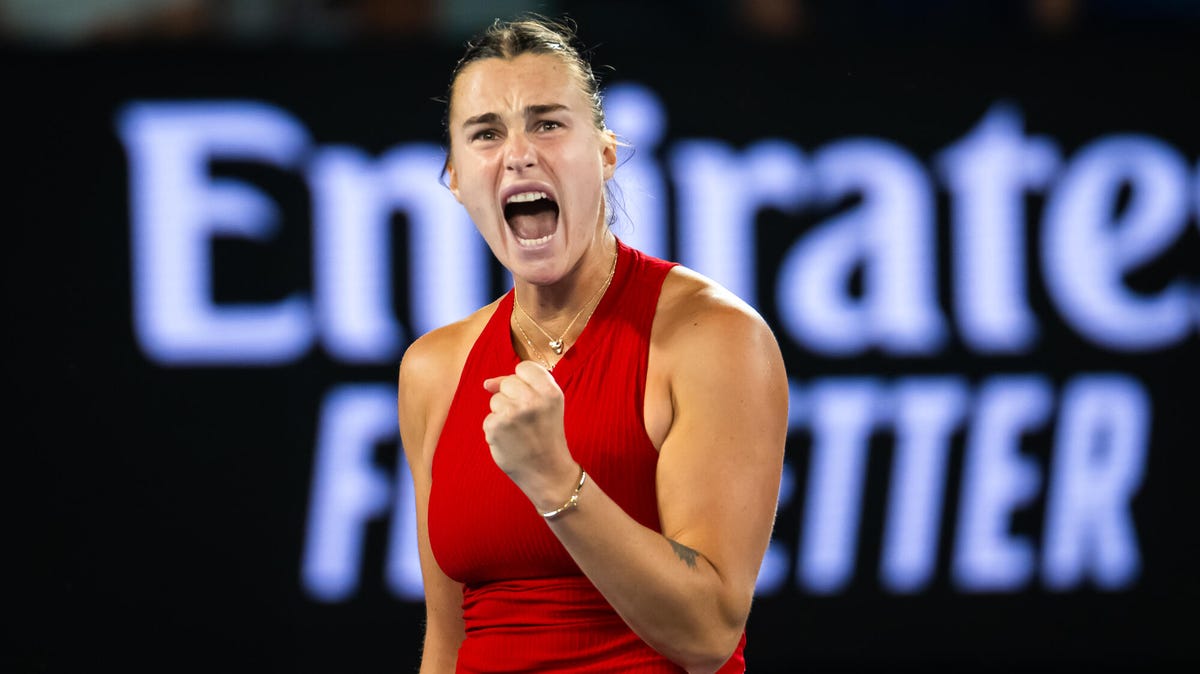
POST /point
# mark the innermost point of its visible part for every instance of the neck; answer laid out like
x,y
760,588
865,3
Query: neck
x,y
554,306
560,332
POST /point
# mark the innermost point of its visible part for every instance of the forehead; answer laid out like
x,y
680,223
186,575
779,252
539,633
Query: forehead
x,y
509,85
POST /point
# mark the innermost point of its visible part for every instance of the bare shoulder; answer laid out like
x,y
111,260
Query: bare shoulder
x,y
712,352
427,360
428,377
696,315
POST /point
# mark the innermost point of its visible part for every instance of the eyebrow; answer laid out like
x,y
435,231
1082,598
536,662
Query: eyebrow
x,y
530,111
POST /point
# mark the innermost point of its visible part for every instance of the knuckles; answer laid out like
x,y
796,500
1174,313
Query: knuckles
x,y
527,369
524,410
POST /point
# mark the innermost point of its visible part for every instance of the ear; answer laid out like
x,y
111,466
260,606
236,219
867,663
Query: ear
x,y
452,180
608,153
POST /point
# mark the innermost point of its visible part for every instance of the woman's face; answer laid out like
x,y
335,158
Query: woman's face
x,y
528,163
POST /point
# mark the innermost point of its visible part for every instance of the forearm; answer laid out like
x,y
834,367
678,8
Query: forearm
x,y
669,594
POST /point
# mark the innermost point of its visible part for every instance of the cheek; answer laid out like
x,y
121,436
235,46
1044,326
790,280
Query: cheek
x,y
588,170
474,188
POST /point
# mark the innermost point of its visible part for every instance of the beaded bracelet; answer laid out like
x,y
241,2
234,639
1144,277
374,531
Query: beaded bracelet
x,y
572,502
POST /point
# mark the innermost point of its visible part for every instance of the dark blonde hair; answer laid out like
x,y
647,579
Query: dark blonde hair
x,y
530,34
535,34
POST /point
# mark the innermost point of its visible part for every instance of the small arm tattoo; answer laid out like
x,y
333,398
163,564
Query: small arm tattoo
x,y
685,553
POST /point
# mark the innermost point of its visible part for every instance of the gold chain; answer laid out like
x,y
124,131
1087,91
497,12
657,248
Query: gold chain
x,y
534,349
558,344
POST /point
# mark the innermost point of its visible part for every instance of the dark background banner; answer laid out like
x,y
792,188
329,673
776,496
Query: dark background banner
x,y
172,515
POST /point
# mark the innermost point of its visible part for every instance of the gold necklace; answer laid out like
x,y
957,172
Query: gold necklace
x,y
557,344
534,349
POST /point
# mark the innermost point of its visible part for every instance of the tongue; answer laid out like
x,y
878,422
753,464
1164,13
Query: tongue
x,y
532,220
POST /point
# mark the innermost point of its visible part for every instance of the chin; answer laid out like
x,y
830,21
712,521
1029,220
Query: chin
x,y
538,272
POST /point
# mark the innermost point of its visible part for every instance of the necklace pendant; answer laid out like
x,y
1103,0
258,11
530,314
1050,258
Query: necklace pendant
x,y
557,345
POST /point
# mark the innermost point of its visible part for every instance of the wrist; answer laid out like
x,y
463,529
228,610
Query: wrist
x,y
556,488
572,501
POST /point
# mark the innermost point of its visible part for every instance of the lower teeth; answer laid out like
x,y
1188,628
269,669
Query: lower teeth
x,y
534,242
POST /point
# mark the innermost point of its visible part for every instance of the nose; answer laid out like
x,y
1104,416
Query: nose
x,y
519,153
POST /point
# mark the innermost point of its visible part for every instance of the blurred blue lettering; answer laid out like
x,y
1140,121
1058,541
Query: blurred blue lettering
x,y
988,173
1099,460
1119,204
998,479
1088,247
354,198
888,238
927,411
348,489
637,111
720,195
844,412
403,565
177,209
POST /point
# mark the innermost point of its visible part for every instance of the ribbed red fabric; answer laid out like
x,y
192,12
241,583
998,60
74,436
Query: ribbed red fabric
x,y
526,604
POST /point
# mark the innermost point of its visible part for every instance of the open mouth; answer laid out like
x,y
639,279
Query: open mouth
x,y
532,217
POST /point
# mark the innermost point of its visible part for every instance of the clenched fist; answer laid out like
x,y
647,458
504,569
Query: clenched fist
x,y
526,436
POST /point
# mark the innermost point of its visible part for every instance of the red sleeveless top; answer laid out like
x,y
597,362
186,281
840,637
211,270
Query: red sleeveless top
x,y
526,604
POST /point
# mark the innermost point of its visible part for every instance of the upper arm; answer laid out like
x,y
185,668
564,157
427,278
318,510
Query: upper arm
x,y
420,401
721,460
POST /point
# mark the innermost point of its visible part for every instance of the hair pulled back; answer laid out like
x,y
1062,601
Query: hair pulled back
x,y
536,34
530,34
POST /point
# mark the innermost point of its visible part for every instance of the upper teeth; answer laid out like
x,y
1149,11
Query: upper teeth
x,y
525,197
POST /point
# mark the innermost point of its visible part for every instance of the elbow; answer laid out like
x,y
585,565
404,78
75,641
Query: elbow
x,y
707,649
703,639
707,666
710,656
